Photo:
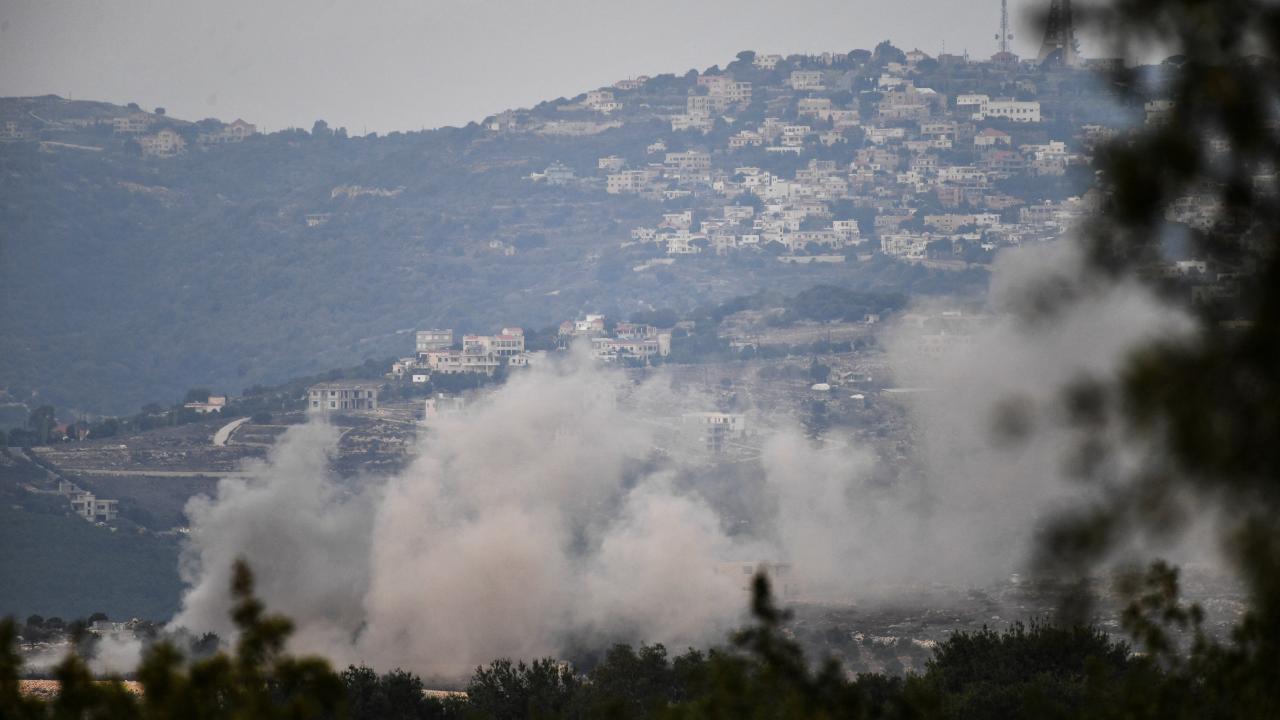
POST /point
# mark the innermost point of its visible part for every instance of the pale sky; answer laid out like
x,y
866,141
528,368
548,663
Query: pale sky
x,y
382,65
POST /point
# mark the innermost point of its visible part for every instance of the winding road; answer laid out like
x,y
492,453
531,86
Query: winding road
x,y
221,437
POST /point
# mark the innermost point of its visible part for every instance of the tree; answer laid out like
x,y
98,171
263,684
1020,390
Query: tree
x,y
258,680
197,395
506,689
886,53
41,422
1207,403
397,695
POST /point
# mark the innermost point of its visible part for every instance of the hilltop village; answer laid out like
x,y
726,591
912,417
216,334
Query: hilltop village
x,y
833,158
882,169
756,225
812,159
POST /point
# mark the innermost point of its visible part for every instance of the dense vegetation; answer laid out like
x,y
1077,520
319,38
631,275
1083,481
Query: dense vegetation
x,y
1032,671
59,564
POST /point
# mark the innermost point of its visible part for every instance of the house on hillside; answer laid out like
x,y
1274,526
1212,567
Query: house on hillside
x,y
343,396
163,144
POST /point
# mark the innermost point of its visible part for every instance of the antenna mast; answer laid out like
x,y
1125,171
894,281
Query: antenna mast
x,y
1005,36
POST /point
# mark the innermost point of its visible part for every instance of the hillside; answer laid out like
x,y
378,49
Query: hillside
x,y
141,255
59,565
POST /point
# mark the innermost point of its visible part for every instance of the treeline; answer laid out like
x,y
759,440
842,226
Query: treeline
x,y
1026,671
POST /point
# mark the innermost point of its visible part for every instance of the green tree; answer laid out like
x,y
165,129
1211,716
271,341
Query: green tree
x,y
197,395
41,422
258,680
1206,403
508,690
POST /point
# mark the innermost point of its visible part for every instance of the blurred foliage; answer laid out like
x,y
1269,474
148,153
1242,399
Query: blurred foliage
x,y
1204,406
257,680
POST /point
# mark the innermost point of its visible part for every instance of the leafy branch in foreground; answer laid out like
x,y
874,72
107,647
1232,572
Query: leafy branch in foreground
x,y
258,680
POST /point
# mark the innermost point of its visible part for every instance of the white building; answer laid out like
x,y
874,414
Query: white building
x,y
630,181
506,344
712,430
441,405
610,163
806,80
767,62
428,340
163,144
688,160
1023,111
343,396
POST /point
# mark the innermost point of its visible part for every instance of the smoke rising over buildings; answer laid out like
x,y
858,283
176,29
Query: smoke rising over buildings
x,y
549,516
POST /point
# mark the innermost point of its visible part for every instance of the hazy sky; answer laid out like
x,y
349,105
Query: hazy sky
x,y
380,65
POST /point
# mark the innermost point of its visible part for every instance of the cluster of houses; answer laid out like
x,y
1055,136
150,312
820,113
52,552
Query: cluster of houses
x,y
438,351
627,342
156,135
915,151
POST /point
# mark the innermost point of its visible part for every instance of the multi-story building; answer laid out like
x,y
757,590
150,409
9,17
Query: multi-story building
x,y
508,343
343,396
688,160
806,80
630,181
163,144
93,509
610,163
131,124
1022,111
427,340
713,430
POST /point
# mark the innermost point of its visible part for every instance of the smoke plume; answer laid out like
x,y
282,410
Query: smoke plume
x,y
548,516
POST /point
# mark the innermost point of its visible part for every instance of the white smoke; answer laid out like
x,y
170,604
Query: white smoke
x,y
115,654
308,538
544,517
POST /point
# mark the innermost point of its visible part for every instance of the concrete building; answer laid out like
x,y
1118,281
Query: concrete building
x,y
610,163
131,124
688,160
441,405
508,343
806,80
163,144
712,430
215,403
89,507
1022,111
428,340
629,181
343,396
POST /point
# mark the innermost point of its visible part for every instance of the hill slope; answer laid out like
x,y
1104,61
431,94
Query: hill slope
x,y
126,279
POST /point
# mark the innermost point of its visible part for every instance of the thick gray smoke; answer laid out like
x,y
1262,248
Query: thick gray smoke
x,y
524,522
545,517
